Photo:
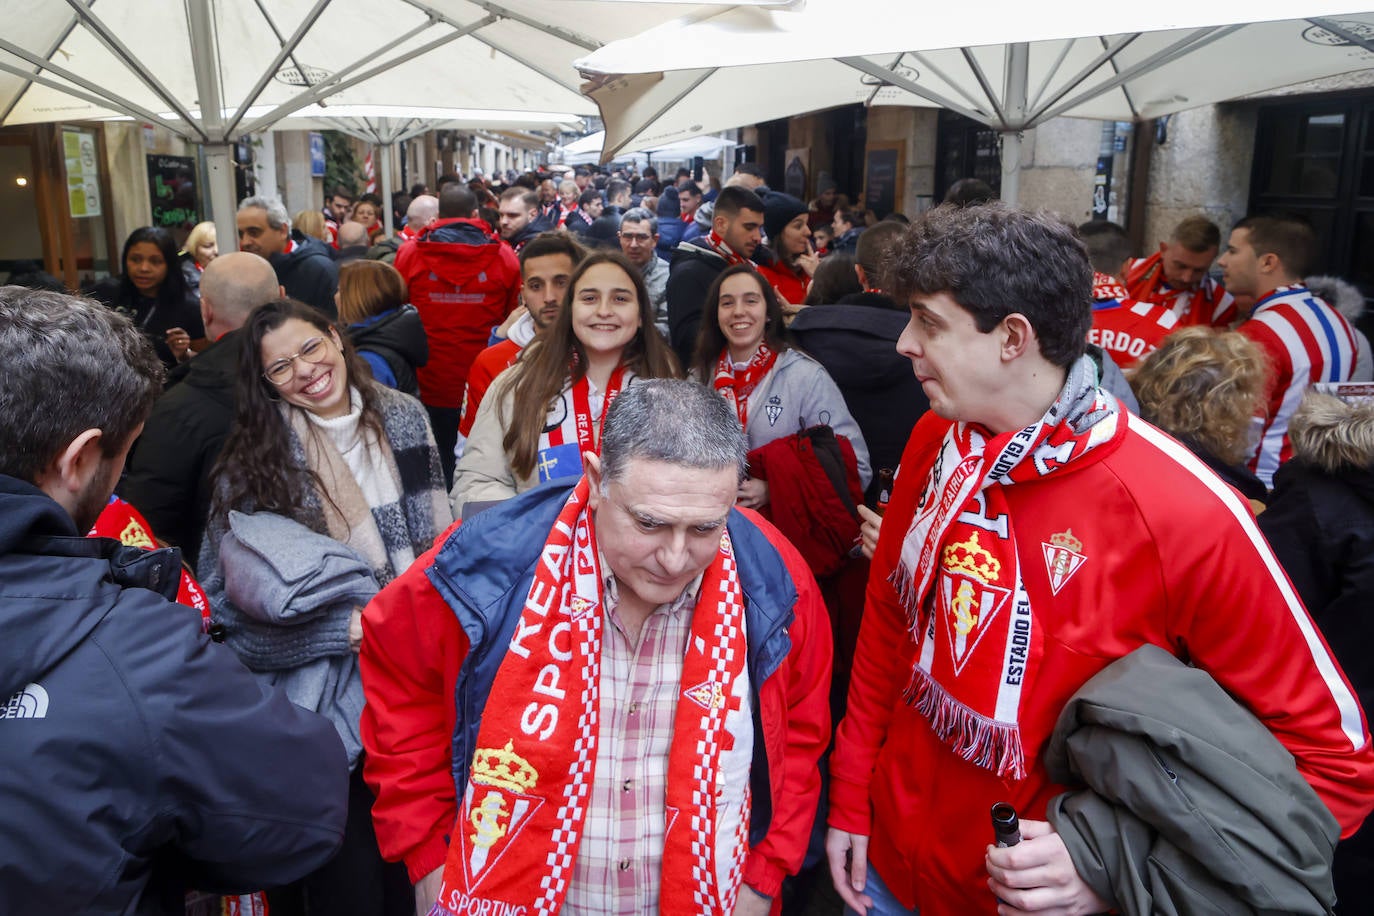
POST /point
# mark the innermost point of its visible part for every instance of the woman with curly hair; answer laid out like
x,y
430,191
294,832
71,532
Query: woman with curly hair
x,y
1203,387
544,413
324,471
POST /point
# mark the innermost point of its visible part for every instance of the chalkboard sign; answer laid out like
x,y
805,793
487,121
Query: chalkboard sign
x,y
881,176
172,190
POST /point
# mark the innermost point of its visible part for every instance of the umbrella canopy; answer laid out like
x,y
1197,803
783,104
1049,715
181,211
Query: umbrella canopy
x,y
213,70
588,149
1078,58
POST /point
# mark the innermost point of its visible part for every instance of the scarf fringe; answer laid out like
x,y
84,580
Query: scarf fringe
x,y
981,741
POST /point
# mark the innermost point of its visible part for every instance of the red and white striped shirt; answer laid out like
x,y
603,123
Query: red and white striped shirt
x,y
1306,341
1127,328
1209,305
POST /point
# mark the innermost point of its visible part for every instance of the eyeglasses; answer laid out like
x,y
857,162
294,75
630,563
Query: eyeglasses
x,y
636,238
313,350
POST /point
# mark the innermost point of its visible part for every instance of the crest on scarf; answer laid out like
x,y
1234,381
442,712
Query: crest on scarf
x,y
773,409
1063,557
498,806
968,597
707,695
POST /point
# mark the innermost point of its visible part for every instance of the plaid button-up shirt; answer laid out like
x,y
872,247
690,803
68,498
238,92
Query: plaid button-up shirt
x,y
620,856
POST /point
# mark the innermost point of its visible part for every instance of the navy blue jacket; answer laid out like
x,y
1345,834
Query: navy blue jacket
x,y
484,575
136,756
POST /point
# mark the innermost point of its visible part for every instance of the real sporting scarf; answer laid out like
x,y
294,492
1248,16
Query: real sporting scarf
x,y
725,251
1107,287
577,423
735,385
959,578
520,819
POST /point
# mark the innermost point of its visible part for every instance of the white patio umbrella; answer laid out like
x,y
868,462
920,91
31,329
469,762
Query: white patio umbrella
x,y
714,70
213,70
588,149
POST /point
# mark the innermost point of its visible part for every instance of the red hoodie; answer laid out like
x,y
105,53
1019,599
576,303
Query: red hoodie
x,y
463,281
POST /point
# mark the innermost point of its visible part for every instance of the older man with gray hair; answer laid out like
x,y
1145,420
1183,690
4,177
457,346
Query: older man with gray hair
x,y
305,266
116,710
608,695
638,237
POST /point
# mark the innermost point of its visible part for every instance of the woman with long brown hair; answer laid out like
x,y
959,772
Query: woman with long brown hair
x,y
336,470
544,413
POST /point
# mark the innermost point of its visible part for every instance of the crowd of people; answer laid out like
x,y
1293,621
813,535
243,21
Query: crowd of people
x,y
620,545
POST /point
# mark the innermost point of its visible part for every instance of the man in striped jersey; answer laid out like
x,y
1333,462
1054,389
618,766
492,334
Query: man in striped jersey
x,y
1305,339
1176,276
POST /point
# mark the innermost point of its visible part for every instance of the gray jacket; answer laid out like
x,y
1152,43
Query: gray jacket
x,y
278,575
1192,806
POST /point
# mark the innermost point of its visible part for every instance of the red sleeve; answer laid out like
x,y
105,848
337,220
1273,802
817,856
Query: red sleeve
x,y
805,722
1280,374
412,649
884,644
479,379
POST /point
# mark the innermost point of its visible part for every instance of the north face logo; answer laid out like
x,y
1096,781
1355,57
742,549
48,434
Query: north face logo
x,y
29,703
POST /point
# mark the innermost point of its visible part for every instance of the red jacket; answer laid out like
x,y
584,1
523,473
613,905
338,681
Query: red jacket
x,y
463,282
1221,601
788,283
413,649
490,363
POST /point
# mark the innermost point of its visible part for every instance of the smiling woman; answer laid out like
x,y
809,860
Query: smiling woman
x,y
349,468
543,414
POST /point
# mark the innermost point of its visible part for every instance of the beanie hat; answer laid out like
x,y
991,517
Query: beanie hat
x,y
779,209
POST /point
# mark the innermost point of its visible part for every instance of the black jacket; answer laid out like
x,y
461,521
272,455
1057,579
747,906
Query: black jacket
x,y
605,229
1321,526
398,338
534,227
691,272
309,273
136,756
152,316
168,476
857,345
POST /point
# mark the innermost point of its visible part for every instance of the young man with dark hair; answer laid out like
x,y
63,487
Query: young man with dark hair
x,y
1037,535
547,263
138,758
520,217
1304,338
736,226
1177,276
847,230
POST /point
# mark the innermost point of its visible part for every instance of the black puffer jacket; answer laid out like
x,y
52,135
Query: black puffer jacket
x,y
397,338
168,476
1320,522
309,273
857,345
136,756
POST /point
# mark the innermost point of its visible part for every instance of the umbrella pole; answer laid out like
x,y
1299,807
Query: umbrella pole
x,y
386,190
219,182
1018,65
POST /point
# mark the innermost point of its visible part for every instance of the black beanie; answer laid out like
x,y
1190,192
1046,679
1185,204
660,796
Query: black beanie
x,y
779,209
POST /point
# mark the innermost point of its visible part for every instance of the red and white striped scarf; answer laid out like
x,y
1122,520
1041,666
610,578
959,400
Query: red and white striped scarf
x,y
735,385
959,577
725,251
520,819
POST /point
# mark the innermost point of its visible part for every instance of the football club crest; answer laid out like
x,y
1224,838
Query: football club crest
x,y
580,606
1063,557
967,596
707,695
496,807
774,410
